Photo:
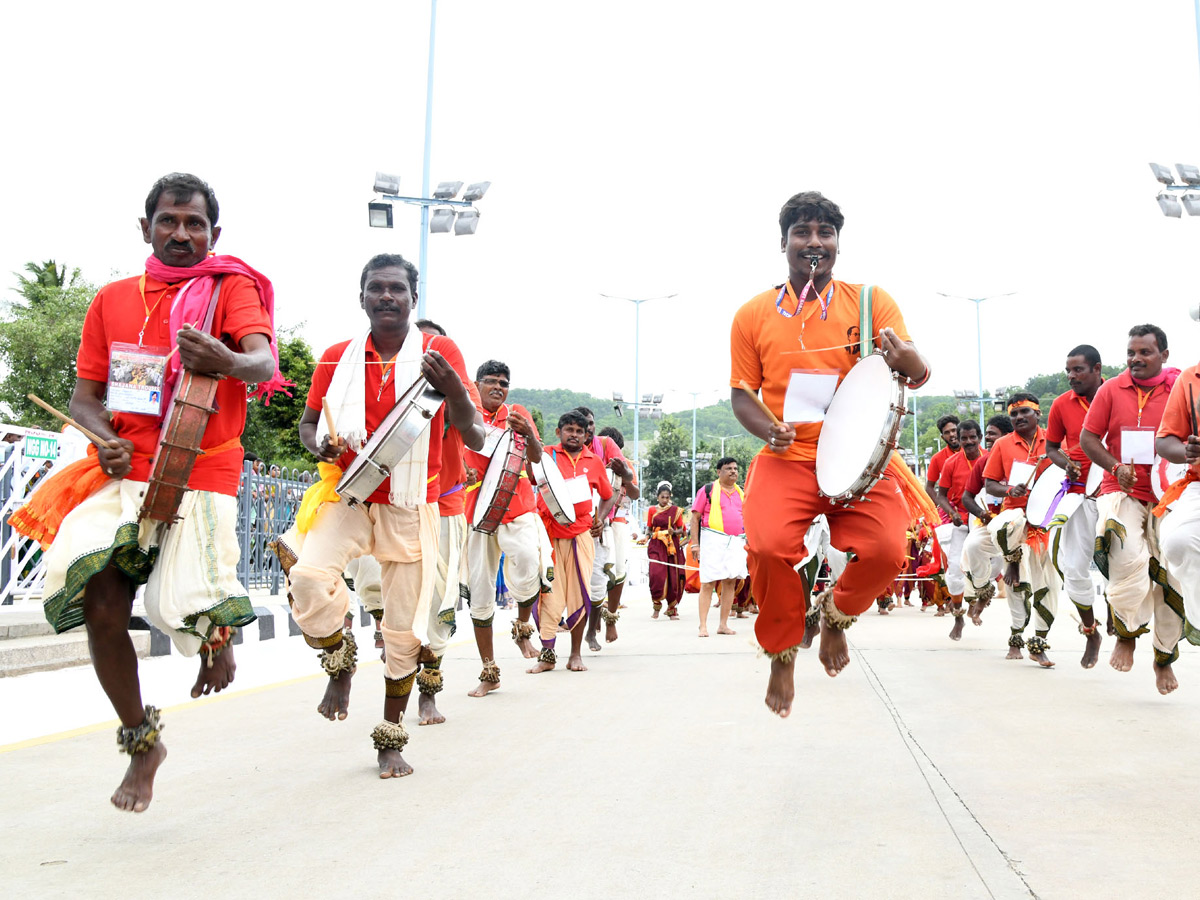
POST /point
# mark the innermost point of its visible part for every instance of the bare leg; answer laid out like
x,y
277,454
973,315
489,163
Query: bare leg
x,y
217,678
335,705
593,627
1122,654
781,687
525,645
1164,678
728,589
704,600
487,653
1088,628
107,602
833,652
614,603
575,662
391,763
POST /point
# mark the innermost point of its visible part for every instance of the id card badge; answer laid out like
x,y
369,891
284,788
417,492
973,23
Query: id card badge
x,y
809,393
1137,446
491,438
1021,473
579,489
135,378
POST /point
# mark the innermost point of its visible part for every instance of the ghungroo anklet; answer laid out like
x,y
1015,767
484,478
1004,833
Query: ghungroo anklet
x,y
834,616
141,738
490,673
548,656
1016,641
1083,629
389,736
1037,645
784,656
958,613
398,687
812,618
521,631
342,659
609,617
985,594
1014,556
429,681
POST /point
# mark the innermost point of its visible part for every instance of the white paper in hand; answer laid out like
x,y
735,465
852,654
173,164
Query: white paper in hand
x,y
809,394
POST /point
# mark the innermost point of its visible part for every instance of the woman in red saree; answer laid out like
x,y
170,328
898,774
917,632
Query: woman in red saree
x,y
664,525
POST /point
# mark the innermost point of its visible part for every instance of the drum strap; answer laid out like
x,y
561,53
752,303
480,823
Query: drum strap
x,y
866,342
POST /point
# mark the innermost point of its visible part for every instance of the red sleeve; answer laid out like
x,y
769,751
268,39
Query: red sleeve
x,y
91,362
453,355
241,311
323,375
936,466
1056,431
995,467
649,517
1100,410
947,474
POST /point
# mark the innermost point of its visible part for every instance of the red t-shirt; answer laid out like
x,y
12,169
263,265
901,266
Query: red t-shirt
x,y
1067,413
955,474
974,483
1116,406
1013,448
937,462
586,465
117,313
450,479
522,502
381,385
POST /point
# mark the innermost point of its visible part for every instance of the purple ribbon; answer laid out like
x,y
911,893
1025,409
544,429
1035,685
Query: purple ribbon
x,y
1062,492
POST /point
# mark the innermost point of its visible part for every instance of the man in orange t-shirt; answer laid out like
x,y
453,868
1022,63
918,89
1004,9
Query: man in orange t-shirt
x,y
947,427
796,342
1077,539
363,380
1118,435
518,537
1179,532
104,548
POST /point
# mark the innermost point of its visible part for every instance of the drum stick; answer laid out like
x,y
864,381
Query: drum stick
x,y
333,435
1191,410
758,400
91,435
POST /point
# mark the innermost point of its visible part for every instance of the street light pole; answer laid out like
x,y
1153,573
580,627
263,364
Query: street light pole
x,y
978,301
637,330
421,278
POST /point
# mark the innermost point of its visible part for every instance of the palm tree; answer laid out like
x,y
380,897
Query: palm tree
x,y
46,276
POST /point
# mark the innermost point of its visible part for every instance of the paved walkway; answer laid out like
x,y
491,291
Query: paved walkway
x,y
927,769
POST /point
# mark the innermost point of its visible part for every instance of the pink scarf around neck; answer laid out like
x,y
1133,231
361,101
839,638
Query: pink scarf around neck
x,y
191,303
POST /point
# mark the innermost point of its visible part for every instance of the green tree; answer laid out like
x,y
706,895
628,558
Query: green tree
x,y
39,339
665,464
272,431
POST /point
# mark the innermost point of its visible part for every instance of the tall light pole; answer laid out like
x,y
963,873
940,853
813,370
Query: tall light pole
x,y
723,438
637,326
978,301
695,405
425,164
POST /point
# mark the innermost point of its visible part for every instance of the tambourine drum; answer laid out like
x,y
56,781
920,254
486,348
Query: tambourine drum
x,y
391,442
860,430
553,489
1094,480
1045,504
500,483
178,446
1163,473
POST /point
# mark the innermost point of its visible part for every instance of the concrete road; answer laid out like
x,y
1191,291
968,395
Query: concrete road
x,y
927,769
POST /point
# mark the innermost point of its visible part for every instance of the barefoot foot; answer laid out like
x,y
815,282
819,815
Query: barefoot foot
x,y
392,765
217,678
654,615
1015,653
1122,654
593,644
427,708
137,787
812,628
575,663
526,648
1165,679
1091,652
540,666
781,687
703,631
485,687
834,654
956,631
335,705
610,632
1041,659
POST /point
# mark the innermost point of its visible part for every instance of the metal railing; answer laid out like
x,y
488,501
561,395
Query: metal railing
x,y
267,505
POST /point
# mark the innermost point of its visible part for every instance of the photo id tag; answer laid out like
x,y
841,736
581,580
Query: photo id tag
x,y
135,378
1137,446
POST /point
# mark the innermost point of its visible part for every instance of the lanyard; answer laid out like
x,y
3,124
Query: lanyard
x,y
825,301
147,307
1143,399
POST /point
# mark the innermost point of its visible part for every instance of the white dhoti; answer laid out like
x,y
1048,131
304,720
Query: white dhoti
x,y
520,542
1179,536
1036,593
979,562
620,551
598,582
448,582
952,537
189,569
1075,546
722,556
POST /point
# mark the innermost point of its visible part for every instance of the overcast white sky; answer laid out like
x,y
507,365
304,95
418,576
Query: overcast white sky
x,y
636,149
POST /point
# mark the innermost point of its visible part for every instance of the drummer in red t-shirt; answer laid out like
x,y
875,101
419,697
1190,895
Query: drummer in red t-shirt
x,y
1124,416
517,537
1012,466
1077,540
947,427
952,534
573,546
363,380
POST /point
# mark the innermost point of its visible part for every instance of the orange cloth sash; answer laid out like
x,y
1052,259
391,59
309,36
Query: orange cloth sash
x,y
1175,491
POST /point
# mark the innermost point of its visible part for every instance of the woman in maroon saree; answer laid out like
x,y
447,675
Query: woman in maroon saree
x,y
664,525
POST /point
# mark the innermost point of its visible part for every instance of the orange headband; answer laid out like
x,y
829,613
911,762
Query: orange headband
x,y
1027,404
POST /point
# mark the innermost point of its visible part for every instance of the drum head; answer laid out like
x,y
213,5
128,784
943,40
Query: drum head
x,y
491,478
1041,496
1095,476
1164,473
854,425
550,480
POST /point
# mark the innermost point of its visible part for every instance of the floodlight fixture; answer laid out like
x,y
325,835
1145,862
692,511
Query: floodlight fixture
x,y
447,190
467,221
1162,173
387,184
476,190
647,398
441,220
683,454
1169,204
656,413
1191,202
618,410
1188,174
658,399
379,215
618,396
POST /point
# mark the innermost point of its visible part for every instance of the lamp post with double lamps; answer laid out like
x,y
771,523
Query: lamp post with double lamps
x,y
978,301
